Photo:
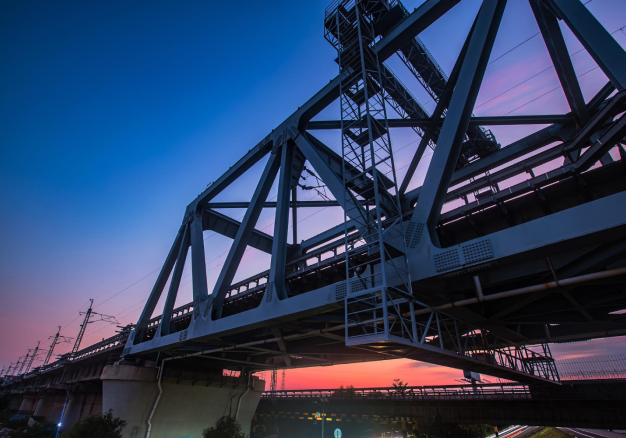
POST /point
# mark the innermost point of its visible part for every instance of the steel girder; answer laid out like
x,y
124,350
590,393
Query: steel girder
x,y
235,312
548,119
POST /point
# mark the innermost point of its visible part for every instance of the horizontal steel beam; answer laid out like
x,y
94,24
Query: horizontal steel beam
x,y
227,226
548,119
299,204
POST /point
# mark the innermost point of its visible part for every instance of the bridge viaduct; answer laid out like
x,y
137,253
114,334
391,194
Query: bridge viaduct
x,y
80,387
502,250
371,412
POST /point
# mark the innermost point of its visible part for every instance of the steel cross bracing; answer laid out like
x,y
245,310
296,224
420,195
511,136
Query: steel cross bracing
x,y
497,268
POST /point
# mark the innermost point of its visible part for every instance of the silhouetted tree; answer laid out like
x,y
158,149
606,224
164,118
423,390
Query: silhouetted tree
x,y
347,391
226,427
97,426
400,386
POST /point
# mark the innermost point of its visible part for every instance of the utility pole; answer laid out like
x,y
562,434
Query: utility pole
x,y
32,358
54,342
274,381
88,314
83,327
24,362
58,339
12,366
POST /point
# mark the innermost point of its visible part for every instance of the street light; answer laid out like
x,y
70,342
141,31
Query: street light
x,y
323,415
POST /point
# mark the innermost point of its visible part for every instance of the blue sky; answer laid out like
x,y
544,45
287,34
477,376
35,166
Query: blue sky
x,y
115,115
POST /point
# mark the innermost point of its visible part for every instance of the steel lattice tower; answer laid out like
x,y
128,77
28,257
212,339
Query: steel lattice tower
x,y
374,307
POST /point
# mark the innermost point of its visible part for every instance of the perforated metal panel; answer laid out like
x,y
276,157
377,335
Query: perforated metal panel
x,y
414,234
341,290
269,292
356,286
477,251
447,260
373,250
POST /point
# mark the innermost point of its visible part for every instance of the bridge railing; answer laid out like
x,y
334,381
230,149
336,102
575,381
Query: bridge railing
x,y
118,340
593,368
445,392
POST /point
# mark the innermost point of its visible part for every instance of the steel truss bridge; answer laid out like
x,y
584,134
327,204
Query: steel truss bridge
x,y
482,286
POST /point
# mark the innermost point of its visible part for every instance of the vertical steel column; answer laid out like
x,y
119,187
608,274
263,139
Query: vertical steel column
x,y
157,290
244,232
437,181
166,317
602,47
198,264
553,38
294,214
276,280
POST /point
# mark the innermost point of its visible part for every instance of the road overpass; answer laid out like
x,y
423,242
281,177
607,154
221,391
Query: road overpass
x,y
595,404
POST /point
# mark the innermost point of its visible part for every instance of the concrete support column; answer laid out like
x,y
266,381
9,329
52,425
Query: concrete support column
x,y
80,405
15,401
73,410
28,404
185,408
50,407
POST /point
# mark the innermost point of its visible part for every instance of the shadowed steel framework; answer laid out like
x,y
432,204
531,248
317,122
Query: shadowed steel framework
x,y
482,285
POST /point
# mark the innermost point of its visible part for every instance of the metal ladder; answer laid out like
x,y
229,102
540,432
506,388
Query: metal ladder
x,y
374,305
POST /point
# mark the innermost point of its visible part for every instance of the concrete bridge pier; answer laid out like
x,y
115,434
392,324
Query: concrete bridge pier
x,y
80,405
15,401
29,402
189,401
50,406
